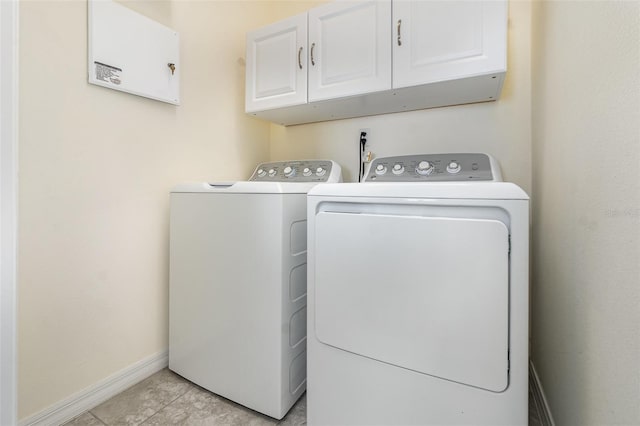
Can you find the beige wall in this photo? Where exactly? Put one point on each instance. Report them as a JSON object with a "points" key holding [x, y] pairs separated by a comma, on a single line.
{"points": [[586, 217], [500, 128], [96, 167]]}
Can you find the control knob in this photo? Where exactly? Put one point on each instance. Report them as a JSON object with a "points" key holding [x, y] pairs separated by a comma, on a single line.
{"points": [[306, 171], [381, 169], [320, 171], [272, 172], [424, 168], [398, 169], [261, 173], [289, 171], [453, 167]]}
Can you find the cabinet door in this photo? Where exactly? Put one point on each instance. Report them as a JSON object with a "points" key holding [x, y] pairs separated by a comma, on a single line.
{"points": [[447, 39], [277, 65], [349, 50]]}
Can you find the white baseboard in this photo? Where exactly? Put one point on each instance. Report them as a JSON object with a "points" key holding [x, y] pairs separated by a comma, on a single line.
{"points": [[96, 394], [539, 397]]}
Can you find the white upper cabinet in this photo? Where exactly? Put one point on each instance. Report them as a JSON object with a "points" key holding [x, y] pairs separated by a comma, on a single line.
{"points": [[349, 49], [276, 59], [352, 58], [444, 40]]}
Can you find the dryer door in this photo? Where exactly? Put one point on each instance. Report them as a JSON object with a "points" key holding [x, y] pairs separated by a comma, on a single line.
{"points": [[428, 294]]}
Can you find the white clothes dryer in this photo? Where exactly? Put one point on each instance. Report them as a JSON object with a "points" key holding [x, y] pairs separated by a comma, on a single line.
{"points": [[237, 286], [418, 296]]}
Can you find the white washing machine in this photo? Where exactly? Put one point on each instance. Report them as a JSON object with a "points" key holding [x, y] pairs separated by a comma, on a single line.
{"points": [[237, 299], [418, 296]]}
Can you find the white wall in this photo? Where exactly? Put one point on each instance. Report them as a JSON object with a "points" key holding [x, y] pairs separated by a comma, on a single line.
{"points": [[500, 128], [96, 167], [586, 217]]}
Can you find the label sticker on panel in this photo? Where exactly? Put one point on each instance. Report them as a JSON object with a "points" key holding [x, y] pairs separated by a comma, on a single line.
{"points": [[108, 73]]}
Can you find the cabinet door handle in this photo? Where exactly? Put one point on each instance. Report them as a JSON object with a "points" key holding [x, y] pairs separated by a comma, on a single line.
{"points": [[313, 45], [300, 58], [399, 37]]}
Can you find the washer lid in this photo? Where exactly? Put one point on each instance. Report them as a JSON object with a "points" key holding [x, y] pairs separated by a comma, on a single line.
{"points": [[244, 187], [280, 177], [459, 190]]}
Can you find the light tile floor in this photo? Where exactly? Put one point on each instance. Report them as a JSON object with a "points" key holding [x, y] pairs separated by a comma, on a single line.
{"points": [[167, 399]]}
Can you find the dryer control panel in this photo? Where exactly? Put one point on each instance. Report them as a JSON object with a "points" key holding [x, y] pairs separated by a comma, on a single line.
{"points": [[434, 168], [297, 171]]}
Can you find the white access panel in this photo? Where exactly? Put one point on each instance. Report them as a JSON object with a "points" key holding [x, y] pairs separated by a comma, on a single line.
{"points": [[132, 53], [349, 50], [397, 277]]}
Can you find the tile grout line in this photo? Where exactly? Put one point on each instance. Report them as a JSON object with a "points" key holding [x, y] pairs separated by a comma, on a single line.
{"points": [[189, 388], [96, 417], [149, 418]]}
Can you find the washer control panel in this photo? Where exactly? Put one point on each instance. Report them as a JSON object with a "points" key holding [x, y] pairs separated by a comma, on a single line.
{"points": [[297, 171], [433, 168]]}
